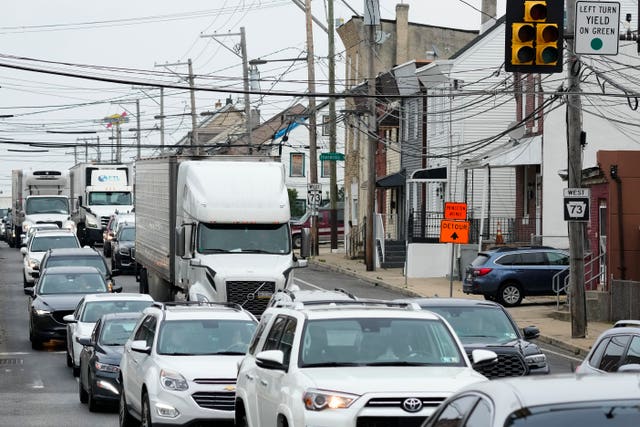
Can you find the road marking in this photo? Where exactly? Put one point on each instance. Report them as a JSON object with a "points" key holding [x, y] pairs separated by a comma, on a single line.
{"points": [[14, 353], [546, 350], [304, 282]]}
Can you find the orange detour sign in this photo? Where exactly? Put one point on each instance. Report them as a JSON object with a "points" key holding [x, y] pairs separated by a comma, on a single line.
{"points": [[455, 210], [454, 231]]}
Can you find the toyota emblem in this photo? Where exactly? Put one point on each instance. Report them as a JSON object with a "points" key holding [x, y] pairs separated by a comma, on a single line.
{"points": [[412, 404]]}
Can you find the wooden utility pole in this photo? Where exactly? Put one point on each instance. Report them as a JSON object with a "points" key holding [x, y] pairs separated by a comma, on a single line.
{"points": [[247, 99], [577, 299], [313, 155], [333, 179], [138, 135], [195, 144], [371, 21]]}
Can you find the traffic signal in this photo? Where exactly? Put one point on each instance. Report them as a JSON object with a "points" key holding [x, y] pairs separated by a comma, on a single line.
{"points": [[534, 36]]}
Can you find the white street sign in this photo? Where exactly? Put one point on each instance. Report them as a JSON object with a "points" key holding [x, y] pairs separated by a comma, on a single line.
{"points": [[597, 27], [314, 195]]}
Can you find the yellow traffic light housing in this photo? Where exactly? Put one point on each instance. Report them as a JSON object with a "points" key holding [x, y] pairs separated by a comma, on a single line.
{"points": [[534, 36]]}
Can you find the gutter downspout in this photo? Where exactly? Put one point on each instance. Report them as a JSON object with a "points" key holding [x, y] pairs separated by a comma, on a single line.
{"points": [[623, 264]]}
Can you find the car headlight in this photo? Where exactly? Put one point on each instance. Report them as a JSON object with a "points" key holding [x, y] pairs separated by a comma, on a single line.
{"points": [[33, 263], [42, 311], [105, 367], [25, 227], [173, 381], [536, 360], [318, 400], [123, 251]]}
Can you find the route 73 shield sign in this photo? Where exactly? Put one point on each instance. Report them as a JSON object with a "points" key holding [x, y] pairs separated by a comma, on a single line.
{"points": [[576, 204]]}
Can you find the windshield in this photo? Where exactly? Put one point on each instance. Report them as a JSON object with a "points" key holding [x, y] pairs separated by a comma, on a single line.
{"points": [[248, 238], [587, 414], [96, 309], [104, 198], [3, 212], [127, 234], [478, 324], [52, 205], [378, 342], [205, 336], [117, 331], [72, 283], [43, 243], [86, 261]]}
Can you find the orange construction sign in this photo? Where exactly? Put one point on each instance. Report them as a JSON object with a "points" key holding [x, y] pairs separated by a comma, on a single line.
{"points": [[454, 231], [455, 210]]}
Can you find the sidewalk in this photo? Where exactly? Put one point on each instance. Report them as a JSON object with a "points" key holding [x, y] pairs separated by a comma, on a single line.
{"points": [[534, 311]]}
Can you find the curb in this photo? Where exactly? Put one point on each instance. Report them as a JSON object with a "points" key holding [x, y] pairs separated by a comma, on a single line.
{"points": [[576, 350]]}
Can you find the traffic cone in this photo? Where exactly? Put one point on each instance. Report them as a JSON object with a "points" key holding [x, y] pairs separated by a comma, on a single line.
{"points": [[499, 239]]}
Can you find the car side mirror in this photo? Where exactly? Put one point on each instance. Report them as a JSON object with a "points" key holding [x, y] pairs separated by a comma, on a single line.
{"points": [[482, 358], [30, 291], [305, 243], [86, 341], [140, 346], [115, 272], [23, 251], [116, 289], [271, 359], [69, 318], [530, 332]]}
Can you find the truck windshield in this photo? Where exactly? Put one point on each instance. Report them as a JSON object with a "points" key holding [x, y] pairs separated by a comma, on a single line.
{"points": [[50, 205], [244, 238], [104, 198]]}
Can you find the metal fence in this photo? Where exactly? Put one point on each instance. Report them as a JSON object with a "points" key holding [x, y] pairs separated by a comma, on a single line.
{"points": [[425, 228]]}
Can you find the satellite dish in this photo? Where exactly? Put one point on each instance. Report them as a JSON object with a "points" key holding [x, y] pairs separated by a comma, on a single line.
{"points": [[516, 132]]}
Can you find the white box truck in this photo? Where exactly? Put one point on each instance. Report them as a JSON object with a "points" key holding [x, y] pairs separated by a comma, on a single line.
{"points": [[213, 228], [98, 190], [38, 197]]}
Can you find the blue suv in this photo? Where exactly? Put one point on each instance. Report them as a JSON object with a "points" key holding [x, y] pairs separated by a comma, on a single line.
{"points": [[508, 274]]}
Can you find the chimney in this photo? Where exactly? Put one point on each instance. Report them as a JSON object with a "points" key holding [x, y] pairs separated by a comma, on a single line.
{"points": [[402, 33], [488, 15], [229, 100], [218, 104]]}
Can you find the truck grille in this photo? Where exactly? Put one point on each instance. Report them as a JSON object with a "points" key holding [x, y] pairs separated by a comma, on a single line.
{"points": [[104, 220], [509, 365], [390, 421], [252, 295], [219, 400]]}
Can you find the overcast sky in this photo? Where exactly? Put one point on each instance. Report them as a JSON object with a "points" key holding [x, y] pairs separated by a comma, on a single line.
{"points": [[136, 38]]}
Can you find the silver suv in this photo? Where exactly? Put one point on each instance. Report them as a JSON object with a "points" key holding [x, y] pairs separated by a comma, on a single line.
{"points": [[350, 362], [179, 366]]}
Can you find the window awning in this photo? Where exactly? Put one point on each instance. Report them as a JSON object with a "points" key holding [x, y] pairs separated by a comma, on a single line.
{"points": [[525, 151], [391, 181]]}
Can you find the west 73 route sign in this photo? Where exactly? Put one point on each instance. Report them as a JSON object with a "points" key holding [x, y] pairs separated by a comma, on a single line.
{"points": [[576, 204]]}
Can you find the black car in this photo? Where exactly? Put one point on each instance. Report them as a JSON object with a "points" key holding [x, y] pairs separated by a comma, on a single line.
{"points": [[487, 325], [78, 256], [100, 359], [57, 294], [123, 246]]}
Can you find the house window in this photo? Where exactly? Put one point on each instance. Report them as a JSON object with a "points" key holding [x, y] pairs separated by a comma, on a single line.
{"points": [[296, 164], [325, 125], [325, 168]]}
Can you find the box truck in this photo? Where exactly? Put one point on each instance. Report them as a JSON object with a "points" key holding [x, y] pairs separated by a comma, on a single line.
{"points": [[98, 190], [38, 197], [213, 228]]}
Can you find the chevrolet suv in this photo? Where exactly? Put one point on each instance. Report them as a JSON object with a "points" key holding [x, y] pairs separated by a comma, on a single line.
{"points": [[180, 363], [350, 362], [508, 274]]}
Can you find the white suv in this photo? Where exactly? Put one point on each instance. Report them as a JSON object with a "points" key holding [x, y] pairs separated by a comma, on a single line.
{"points": [[179, 366], [346, 363]]}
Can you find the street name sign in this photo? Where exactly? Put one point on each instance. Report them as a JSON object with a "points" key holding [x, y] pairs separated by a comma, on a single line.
{"points": [[576, 204], [455, 210], [454, 231], [331, 156], [597, 27]]}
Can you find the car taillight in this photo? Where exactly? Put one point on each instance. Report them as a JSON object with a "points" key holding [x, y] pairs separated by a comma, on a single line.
{"points": [[482, 271]]}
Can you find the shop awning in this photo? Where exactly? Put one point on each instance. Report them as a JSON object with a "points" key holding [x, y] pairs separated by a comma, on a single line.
{"points": [[391, 181]]}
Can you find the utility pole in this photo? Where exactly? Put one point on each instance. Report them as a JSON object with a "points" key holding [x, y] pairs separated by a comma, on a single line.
{"points": [[577, 297], [245, 74], [162, 117], [333, 179], [313, 155], [371, 20], [138, 125]]}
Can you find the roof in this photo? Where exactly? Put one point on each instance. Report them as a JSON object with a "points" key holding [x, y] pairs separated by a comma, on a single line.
{"points": [[475, 41], [197, 310], [73, 252], [54, 232], [126, 296]]}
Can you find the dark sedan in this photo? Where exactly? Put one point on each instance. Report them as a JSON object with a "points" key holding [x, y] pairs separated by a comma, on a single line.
{"points": [[100, 359], [55, 295], [122, 257], [487, 325]]}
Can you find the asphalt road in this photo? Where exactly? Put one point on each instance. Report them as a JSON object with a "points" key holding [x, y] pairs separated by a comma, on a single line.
{"points": [[38, 389]]}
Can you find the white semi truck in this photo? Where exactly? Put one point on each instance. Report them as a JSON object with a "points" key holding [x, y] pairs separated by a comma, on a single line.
{"points": [[38, 197], [98, 190], [213, 228]]}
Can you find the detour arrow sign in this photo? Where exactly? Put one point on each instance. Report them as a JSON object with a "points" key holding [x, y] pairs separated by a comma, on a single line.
{"points": [[454, 231]]}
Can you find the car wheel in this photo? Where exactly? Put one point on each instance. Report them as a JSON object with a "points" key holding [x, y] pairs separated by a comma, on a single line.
{"points": [[82, 393], [146, 412], [125, 419], [24, 280], [144, 281], [36, 344], [91, 400], [296, 240], [510, 294], [75, 370], [69, 360]]}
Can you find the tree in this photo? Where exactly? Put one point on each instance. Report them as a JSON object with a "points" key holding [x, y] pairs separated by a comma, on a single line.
{"points": [[296, 208]]}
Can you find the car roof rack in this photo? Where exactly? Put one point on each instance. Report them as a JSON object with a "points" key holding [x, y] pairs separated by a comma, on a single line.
{"points": [[371, 303], [347, 293], [172, 304]]}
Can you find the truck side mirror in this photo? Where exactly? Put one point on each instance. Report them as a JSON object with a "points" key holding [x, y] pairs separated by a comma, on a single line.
{"points": [[79, 200], [180, 241], [305, 242], [184, 240]]}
